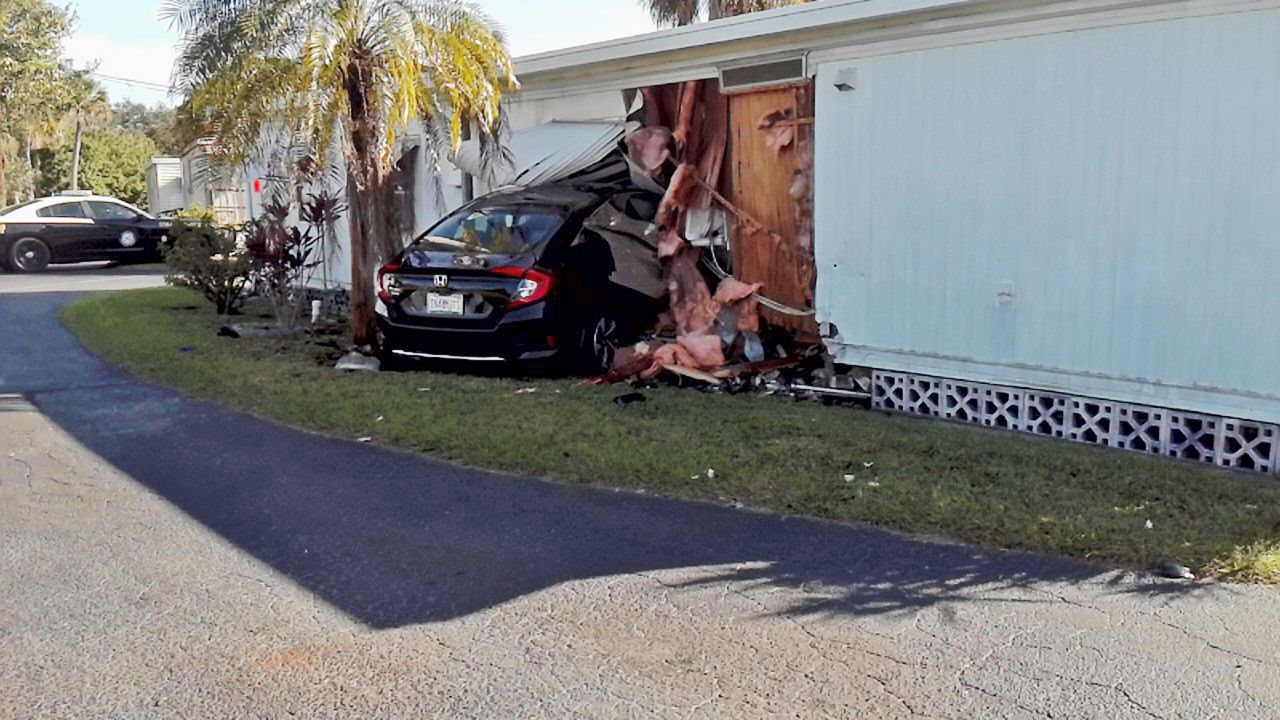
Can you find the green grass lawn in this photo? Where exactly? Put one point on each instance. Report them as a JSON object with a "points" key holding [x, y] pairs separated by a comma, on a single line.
{"points": [[986, 487]]}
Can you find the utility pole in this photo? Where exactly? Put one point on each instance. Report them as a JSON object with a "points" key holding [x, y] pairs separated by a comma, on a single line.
{"points": [[75, 151]]}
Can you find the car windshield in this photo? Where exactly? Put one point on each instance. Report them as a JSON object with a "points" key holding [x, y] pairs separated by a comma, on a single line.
{"points": [[493, 231]]}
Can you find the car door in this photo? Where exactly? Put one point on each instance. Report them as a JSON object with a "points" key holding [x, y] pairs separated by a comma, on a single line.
{"points": [[119, 233], [67, 229]]}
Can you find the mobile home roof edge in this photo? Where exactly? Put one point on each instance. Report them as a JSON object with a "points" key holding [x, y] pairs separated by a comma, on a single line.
{"points": [[752, 26]]}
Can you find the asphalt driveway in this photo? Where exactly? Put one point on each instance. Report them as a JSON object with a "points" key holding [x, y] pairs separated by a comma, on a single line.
{"points": [[167, 557], [83, 277]]}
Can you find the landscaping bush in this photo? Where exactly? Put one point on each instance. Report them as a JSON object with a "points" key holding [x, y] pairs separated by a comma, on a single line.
{"points": [[284, 257], [207, 258]]}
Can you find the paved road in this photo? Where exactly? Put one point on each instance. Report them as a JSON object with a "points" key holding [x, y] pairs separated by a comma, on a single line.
{"points": [[82, 277], [163, 557]]}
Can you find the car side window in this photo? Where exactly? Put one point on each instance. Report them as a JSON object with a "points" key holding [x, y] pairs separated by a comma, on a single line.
{"points": [[110, 211], [62, 210]]}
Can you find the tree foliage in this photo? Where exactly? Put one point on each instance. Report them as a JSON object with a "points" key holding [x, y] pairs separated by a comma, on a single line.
{"points": [[32, 83], [685, 12], [113, 162], [158, 122], [362, 69], [31, 67]]}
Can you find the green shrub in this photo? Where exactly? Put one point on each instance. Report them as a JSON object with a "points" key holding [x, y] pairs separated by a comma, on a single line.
{"points": [[206, 258], [198, 214]]}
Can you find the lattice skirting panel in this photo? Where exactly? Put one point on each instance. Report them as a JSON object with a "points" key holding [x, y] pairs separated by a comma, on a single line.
{"points": [[1227, 442], [334, 302]]}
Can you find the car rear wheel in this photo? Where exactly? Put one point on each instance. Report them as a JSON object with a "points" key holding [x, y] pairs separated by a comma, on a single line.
{"points": [[29, 255], [599, 340]]}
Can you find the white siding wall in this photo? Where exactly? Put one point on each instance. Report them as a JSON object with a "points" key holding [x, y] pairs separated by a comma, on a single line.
{"points": [[1125, 180]]}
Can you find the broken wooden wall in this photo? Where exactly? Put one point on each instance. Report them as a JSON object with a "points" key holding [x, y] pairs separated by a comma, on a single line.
{"points": [[770, 158]]}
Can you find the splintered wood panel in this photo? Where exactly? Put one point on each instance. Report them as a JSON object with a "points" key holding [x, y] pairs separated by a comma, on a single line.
{"points": [[762, 179]]}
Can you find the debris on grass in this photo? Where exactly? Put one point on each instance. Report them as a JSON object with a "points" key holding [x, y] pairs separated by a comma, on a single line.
{"points": [[693, 374], [527, 391], [356, 361], [1150, 525], [807, 374], [365, 439], [1175, 571], [629, 398], [237, 331]]}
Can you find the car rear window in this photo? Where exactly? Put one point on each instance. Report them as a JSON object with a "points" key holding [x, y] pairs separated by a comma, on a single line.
{"points": [[62, 210], [16, 207], [494, 231]]}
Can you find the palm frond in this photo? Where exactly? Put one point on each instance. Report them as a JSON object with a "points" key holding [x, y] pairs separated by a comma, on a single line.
{"points": [[673, 13]]}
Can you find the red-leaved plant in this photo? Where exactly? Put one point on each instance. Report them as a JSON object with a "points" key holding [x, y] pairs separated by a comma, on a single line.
{"points": [[285, 256]]}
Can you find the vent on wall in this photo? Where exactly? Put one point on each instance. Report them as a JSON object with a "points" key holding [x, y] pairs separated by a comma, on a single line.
{"points": [[779, 71]]}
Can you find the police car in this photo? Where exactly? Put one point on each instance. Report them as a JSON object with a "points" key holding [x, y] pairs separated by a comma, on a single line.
{"points": [[77, 227]]}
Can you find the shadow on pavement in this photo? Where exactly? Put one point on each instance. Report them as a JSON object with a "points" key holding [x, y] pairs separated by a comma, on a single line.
{"points": [[395, 539]]}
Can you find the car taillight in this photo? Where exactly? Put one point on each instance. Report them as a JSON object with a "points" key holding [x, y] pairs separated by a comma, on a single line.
{"points": [[533, 286], [388, 282]]}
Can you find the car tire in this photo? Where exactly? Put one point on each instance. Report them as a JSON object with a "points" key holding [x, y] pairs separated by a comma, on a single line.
{"points": [[388, 361], [599, 338], [391, 362], [28, 255]]}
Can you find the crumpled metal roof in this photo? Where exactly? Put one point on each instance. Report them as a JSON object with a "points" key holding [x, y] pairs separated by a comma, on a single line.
{"points": [[549, 152]]}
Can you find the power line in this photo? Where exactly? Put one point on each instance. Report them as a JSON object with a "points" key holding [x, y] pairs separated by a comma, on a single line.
{"points": [[131, 81]]}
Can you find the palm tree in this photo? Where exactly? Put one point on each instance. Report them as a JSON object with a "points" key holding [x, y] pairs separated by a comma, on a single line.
{"points": [[89, 108], [686, 12], [343, 73]]}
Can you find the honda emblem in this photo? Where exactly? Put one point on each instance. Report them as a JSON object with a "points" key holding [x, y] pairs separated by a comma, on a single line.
{"points": [[442, 281]]}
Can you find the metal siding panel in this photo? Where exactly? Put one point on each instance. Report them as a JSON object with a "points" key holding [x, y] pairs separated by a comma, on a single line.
{"points": [[1126, 179]]}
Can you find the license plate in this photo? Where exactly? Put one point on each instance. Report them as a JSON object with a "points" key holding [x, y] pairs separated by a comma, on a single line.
{"points": [[444, 304]]}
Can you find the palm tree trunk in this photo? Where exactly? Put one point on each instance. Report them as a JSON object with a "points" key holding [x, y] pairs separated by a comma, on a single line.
{"points": [[363, 324], [371, 243], [75, 155], [715, 10]]}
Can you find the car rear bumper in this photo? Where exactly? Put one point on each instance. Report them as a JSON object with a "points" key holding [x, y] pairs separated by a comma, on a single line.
{"points": [[526, 341]]}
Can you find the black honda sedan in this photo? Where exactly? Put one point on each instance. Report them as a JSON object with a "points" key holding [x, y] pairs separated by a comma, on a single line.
{"points": [[80, 227], [548, 275]]}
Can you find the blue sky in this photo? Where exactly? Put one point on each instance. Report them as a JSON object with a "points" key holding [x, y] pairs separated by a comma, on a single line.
{"points": [[130, 42]]}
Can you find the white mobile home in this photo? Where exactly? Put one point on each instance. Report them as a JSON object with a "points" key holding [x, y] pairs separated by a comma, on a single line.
{"points": [[164, 185], [1053, 216]]}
